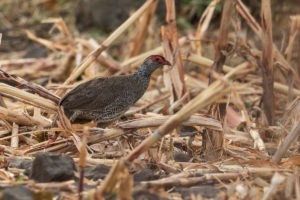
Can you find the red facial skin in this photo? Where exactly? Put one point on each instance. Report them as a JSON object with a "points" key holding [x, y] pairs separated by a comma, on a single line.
{"points": [[160, 60]]}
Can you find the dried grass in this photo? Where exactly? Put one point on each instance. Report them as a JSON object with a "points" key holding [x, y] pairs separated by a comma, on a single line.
{"points": [[154, 132]]}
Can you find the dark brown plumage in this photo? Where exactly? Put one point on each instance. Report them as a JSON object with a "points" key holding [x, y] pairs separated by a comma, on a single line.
{"points": [[104, 100]]}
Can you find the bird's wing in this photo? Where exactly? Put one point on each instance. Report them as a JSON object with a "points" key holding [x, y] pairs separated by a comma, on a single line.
{"points": [[94, 94]]}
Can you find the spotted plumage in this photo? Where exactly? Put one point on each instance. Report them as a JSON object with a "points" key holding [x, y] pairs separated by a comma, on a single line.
{"points": [[105, 99]]}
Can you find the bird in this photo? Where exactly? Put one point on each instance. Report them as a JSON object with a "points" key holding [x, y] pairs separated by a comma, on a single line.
{"points": [[105, 99]]}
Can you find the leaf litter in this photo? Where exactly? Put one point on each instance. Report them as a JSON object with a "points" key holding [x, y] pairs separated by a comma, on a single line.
{"points": [[206, 129]]}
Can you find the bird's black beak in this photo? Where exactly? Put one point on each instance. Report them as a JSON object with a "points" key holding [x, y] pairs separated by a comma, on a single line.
{"points": [[167, 63], [169, 66]]}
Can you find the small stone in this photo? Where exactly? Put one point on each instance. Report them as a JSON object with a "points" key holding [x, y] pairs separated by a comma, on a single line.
{"points": [[17, 193], [47, 167], [206, 191], [145, 194], [21, 163], [181, 157], [96, 172], [36, 51], [145, 174], [186, 131]]}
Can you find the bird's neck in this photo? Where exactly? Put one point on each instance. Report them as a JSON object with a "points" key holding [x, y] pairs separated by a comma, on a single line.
{"points": [[142, 76], [145, 71]]}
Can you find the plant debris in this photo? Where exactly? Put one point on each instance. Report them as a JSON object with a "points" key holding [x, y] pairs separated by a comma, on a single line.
{"points": [[223, 123]]}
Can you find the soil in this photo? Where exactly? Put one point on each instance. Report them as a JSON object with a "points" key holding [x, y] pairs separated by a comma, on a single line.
{"points": [[26, 175]]}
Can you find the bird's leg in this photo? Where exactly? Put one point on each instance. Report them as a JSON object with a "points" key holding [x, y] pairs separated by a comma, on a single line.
{"points": [[55, 133]]}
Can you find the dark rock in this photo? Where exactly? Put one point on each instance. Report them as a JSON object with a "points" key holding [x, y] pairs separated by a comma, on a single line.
{"points": [[21, 163], [145, 174], [48, 167], [206, 191], [36, 51], [145, 194], [181, 157], [96, 172], [17, 193], [271, 151], [185, 131]]}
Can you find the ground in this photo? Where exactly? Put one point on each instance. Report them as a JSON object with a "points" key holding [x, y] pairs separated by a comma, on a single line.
{"points": [[218, 140]]}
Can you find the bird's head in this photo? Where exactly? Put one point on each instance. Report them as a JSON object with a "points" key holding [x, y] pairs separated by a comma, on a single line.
{"points": [[158, 60], [152, 63]]}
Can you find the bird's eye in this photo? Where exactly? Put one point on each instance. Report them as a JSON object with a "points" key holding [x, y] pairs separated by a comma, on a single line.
{"points": [[157, 59]]}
